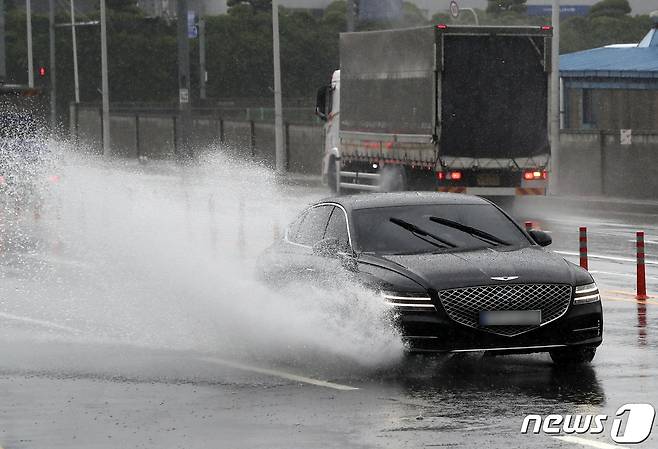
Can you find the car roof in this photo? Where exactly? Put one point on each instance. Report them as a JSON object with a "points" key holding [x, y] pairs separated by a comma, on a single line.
{"points": [[392, 199]]}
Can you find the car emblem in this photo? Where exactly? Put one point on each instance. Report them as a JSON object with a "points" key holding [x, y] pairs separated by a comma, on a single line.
{"points": [[504, 278]]}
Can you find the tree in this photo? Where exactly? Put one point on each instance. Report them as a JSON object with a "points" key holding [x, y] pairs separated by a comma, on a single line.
{"points": [[255, 5], [412, 15], [499, 6], [610, 8], [334, 15]]}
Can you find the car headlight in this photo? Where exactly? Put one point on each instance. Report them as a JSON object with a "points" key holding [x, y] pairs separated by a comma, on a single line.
{"points": [[408, 301], [586, 294]]}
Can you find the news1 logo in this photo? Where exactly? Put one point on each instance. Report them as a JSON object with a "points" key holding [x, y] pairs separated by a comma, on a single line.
{"points": [[632, 424]]}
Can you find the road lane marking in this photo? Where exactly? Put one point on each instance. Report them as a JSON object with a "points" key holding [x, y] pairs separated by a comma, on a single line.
{"points": [[604, 257], [586, 442], [633, 300], [622, 292], [277, 373], [629, 275], [651, 242], [42, 323]]}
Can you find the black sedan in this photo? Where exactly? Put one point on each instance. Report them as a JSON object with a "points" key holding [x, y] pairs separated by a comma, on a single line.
{"points": [[460, 273]]}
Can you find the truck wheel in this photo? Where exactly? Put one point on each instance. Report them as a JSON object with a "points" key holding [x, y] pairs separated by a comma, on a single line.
{"points": [[331, 175], [573, 356], [392, 179]]}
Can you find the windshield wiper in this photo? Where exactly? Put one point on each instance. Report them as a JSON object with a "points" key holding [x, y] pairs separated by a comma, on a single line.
{"points": [[421, 233], [477, 233]]}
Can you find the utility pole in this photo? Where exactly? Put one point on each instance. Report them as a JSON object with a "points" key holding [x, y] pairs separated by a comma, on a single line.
{"points": [[280, 153], [76, 82], [53, 66], [3, 54], [30, 60], [105, 85], [202, 57], [185, 113], [350, 14], [553, 181]]}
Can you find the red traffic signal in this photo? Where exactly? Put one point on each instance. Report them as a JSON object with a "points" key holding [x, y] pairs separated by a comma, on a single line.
{"points": [[42, 72]]}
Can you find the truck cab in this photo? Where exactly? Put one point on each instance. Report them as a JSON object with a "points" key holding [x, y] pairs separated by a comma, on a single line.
{"points": [[328, 109]]}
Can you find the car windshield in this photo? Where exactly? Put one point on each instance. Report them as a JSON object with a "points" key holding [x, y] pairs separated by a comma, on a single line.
{"points": [[375, 232]]}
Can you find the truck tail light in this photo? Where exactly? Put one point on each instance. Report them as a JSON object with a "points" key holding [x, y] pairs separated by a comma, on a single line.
{"points": [[534, 175], [440, 175], [454, 175]]}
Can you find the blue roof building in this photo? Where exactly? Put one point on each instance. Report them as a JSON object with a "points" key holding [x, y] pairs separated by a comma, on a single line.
{"points": [[613, 87]]}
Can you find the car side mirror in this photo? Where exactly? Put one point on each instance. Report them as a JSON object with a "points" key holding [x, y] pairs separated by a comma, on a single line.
{"points": [[540, 237], [327, 248]]}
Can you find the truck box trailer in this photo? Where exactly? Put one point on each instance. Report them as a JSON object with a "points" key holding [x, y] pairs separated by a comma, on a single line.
{"points": [[451, 108]]}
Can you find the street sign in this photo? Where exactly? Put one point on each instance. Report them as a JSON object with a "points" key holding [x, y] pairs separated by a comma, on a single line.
{"points": [[192, 29], [626, 136], [454, 9], [183, 96]]}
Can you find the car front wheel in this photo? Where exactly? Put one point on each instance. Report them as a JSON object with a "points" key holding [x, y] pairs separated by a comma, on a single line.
{"points": [[573, 356]]}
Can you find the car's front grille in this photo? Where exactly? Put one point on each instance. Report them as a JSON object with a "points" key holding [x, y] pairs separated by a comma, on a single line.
{"points": [[464, 305]]}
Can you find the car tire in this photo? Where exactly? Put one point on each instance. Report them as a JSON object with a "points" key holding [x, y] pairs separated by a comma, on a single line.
{"points": [[573, 356]]}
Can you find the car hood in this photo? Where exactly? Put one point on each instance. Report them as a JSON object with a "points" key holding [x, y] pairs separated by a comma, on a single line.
{"points": [[468, 268]]}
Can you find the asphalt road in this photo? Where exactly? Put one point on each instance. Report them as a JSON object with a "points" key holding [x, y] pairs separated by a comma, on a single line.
{"points": [[130, 317]]}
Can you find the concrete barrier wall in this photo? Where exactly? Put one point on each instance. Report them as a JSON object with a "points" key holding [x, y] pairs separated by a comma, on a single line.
{"points": [[591, 162], [305, 148], [156, 137], [89, 129], [123, 135], [596, 163], [205, 132], [265, 150]]}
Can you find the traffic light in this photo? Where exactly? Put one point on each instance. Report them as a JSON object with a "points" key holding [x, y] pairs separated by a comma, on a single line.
{"points": [[42, 72]]}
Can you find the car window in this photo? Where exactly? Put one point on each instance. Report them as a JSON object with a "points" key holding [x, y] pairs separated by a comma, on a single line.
{"points": [[311, 229], [337, 228]]}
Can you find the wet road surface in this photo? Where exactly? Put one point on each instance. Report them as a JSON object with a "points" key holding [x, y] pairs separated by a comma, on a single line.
{"points": [[101, 349]]}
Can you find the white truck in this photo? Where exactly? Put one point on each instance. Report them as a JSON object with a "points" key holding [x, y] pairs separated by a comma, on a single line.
{"points": [[448, 108]]}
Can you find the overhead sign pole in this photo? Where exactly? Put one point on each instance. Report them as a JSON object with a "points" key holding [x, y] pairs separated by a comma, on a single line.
{"points": [[281, 161], [105, 85], [3, 67], [30, 58], [74, 43], [553, 180], [53, 66], [184, 108]]}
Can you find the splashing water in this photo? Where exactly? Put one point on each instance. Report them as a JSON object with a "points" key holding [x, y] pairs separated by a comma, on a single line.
{"points": [[163, 255]]}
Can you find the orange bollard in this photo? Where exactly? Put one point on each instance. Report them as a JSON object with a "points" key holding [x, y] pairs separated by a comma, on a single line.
{"points": [[641, 276], [583, 248]]}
